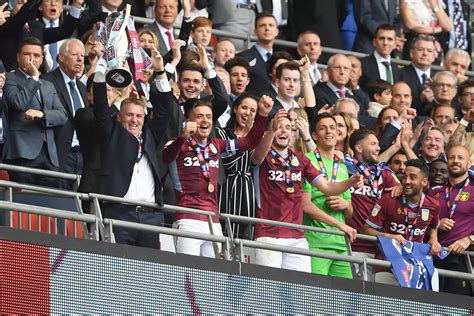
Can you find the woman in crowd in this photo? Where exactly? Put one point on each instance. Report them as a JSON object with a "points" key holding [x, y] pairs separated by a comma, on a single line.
{"points": [[344, 131], [386, 115], [237, 193], [301, 139]]}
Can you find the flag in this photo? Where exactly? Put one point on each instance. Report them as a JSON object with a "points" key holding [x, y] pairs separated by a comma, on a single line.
{"points": [[412, 265]]}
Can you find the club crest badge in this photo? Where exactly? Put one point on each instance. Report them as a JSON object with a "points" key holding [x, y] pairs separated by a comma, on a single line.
{"points": [[425, 214], [375, 210], [464, 197]]}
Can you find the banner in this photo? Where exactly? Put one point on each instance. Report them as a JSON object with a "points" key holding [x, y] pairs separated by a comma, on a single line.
{"points": [[412, 265]]}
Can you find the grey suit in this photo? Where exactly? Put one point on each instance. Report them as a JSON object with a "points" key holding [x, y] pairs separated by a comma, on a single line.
{"points": [[27, 137], [161, 41]]}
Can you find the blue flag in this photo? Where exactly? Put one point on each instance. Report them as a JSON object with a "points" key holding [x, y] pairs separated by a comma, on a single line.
{"points": [[412, 265]]}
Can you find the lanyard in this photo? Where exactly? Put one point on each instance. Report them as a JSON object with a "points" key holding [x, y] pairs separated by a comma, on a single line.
{"points": [[453, 205], [410, 228], [202, 156], [286, 163], [335, 165], [372, 177]]}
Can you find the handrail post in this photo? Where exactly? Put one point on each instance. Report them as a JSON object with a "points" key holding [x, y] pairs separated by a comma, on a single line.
{"points": [[230, 236], [215, 246], [365, 275], [95, 208]]}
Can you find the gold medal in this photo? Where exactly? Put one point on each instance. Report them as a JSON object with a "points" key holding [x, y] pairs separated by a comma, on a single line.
{"points": [[213, 148], [210, 188], [290, 189]]}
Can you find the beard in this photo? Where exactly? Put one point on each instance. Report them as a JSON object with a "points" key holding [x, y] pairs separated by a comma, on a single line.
{"points": [[456, 174], [369, 159]]}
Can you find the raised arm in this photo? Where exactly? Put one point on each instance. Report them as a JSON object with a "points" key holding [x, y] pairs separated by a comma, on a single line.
{"points": [[266, 142], [252, 139], [336, 188]]}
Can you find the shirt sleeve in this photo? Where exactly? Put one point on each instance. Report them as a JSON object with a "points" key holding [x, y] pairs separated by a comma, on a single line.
{"points": [[310, 172]]}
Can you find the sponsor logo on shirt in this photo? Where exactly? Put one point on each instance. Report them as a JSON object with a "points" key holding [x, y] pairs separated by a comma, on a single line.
{"points": [[279, 175], [364, 190], [194, 162]]}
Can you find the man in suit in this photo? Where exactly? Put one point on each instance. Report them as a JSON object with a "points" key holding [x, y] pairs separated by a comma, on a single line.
{"points": [[378, 64], [339, 71], [369, 15], [460, 35], [444, 89], [3, 119], [73, 96], [235, 16], [266, 30], [309, 44], [129, 160], [34, 110], [457, 61], [166, 12], [418, 74], [276, 60], [50, 30]]}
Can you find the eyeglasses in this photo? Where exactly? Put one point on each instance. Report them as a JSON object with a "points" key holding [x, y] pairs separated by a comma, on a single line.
{"points": [[468, 94], [444, 85]]}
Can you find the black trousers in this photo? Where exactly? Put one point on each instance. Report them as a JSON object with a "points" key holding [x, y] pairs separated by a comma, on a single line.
{"points": [[450, 285], [42, 161], [137, 215]]}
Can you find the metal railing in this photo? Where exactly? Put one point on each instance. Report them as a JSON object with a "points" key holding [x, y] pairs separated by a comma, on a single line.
{"points": [[232, 249]]}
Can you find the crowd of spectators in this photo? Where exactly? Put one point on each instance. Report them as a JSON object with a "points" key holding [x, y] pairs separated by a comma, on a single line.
{"points": [[334, 141]]}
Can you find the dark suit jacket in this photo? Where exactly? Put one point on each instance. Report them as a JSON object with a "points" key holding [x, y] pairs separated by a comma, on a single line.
{"points": [[443, 37], [324, 95], [27, 136], [119, 148], [369, 14], [259, 79], [63, 134], [184, 33], [52, 34], [87, 131], [90, 16], [12, 31], [411, 78], [370, 71]]}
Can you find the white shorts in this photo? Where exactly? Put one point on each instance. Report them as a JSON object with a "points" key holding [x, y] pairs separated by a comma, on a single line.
{"points": [[283, 260], [358, 270], [196, 247]]}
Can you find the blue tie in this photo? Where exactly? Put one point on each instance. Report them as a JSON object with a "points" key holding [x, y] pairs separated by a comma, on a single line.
{"points": [[76, 102], [53, 50], [424, 77]]}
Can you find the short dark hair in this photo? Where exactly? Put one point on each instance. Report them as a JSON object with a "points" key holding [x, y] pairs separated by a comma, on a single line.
{"points": [[237, 61], [464, 85], [400, 152], [377, 86], [420, 164], [290, 65], [192, 67], [275, 57], [319, 118], [384, 27], [30, 41], [442, 105], [191, 104], [358, 136], [263, 14]]}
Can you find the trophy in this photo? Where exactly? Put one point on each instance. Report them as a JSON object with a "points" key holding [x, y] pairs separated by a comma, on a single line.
{"points": [[123, 54]]}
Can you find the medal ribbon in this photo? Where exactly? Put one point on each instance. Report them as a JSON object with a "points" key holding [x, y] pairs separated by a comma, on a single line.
{"points": [[452, 205], [372, 176], [202, 156], [335, 165], [286, 163], [410, 228]]}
